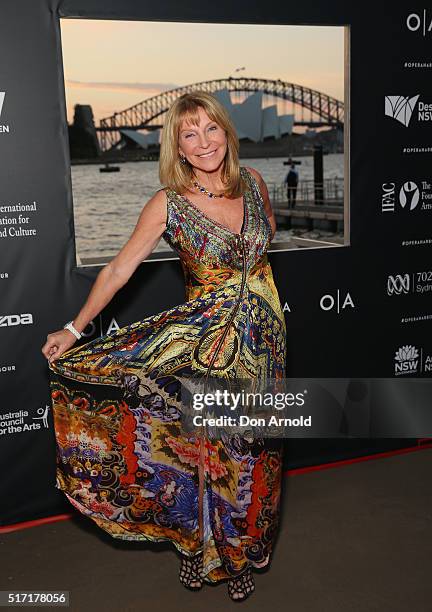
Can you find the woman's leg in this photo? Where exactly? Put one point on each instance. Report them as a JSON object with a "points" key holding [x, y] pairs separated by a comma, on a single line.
{"points": [[242, 586], [190, 573]]}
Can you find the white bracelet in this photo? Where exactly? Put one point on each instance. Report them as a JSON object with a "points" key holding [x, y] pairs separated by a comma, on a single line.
{"points": [[72, 329]]}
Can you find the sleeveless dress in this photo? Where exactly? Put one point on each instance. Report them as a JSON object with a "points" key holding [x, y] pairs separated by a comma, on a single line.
{"points": [[123, 458]]}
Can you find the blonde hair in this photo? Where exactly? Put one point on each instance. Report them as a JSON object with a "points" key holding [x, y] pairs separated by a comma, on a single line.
{"points": [[178, 176]]}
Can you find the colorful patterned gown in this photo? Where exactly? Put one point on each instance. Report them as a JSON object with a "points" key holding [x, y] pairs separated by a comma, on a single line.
{"points": [[123, 457]]}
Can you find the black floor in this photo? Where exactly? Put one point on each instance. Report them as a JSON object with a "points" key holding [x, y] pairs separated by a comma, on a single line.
{"points": [[355, 538]]}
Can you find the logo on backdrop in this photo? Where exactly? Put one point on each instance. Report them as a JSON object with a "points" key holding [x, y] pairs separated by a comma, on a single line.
{"points": [[91, 329], [409, 196], [336, 302], [418, 282], [406, 360], [22, 421], [400, 108], [410, 360], [398, 284], [4, 128], [16, 319], [419, 22]]}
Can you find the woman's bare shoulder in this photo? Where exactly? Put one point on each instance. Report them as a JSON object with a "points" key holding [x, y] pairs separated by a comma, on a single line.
{"points": [[255, 174], [157, 204], [159, 196]]}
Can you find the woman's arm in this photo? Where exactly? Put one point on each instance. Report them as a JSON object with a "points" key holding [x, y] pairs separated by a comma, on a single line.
{"points": [[266, 198], [144, 238]]}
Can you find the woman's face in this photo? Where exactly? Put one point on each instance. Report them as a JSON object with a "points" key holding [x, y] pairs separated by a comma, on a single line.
{"points": [[205, 145]]}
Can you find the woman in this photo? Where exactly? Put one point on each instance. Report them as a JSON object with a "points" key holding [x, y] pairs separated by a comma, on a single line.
{"points": [[123, 458]]}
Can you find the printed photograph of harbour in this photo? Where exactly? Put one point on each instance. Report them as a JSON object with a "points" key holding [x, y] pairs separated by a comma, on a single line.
{"points": [[283, 86]]}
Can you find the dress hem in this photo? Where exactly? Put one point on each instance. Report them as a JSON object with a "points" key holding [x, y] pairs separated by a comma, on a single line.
{"points": [[156, 539]]}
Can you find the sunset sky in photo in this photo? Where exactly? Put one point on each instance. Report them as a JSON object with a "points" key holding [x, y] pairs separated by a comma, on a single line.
{"points": [[113, 65]]}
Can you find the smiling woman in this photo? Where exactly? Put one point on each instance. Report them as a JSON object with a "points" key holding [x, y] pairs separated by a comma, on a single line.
{"points": [[207, 142], [124, 457]]}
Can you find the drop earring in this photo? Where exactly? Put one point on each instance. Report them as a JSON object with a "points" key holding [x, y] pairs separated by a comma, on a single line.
{"points": [[182, 159]]}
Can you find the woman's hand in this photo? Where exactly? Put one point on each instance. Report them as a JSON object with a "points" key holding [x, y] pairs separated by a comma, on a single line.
{"points": [[57, 343], [143, 240]]}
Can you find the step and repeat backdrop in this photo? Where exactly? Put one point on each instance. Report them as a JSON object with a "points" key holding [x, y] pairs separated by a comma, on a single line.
{"points": [[358, 310]]}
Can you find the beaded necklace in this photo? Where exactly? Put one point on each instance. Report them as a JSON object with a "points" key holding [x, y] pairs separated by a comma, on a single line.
{"points": [[206, 191]]}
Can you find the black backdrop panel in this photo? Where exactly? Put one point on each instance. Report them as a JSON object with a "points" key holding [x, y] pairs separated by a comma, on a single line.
{"points": [[41, 288]]}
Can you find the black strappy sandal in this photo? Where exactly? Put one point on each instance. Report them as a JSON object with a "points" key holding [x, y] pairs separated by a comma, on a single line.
{"points": [[190, 573], [240, 587]]}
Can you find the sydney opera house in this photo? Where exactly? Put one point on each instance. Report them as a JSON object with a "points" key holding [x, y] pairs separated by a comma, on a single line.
{"points": [[134, 134], [252, 121]]}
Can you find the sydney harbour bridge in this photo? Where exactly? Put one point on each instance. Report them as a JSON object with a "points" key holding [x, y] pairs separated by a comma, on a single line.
{"points": [[323, 110]]}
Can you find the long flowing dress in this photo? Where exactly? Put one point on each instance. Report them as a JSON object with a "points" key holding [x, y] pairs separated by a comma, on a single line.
{"points": [[123, 458]]}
